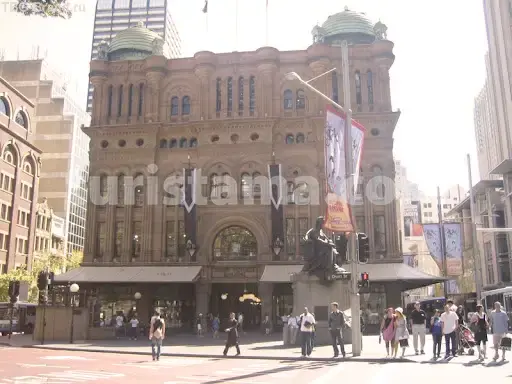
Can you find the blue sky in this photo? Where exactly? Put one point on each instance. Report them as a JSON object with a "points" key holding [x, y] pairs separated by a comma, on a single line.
{"points": [[439, 66]]}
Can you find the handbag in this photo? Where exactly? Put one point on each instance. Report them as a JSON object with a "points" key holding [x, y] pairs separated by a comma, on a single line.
{"points": [[506, 343]]}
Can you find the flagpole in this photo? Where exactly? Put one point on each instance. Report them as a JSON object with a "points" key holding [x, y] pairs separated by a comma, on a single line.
{"points": [[443, 241], [476, 245], [266, 23]]}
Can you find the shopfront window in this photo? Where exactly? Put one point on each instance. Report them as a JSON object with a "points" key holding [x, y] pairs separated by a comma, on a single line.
{"points": [[235, 243], [111, 302], [373, 305]]}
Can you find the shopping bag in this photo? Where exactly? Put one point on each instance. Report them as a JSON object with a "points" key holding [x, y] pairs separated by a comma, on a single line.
{"points": [[506, 343]]}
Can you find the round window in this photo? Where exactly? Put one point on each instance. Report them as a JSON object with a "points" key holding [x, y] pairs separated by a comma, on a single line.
{"points": [[104, 144], [122, 143], [139, 142]]}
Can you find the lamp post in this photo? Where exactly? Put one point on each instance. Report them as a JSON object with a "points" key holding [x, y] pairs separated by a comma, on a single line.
{"points": [[191, 248], [355, 302], [73, 289], [137, 297], [277, 246]]}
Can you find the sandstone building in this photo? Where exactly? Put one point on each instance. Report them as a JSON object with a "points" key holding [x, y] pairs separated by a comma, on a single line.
{"points": [[20, 167], [230, 114]]}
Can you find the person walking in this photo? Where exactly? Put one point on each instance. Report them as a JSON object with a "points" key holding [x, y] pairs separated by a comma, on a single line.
{"points": [[134, 326], [216, 326], [156, 335], [418, 326], [232, 331], [336, 324], [436, 329], [401, 333], [481, 325], [499, 326], [449, 324], [307, 321], [387, 328]]}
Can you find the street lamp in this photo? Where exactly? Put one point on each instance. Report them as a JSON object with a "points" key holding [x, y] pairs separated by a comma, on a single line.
{"points": [[137, 297], [278, 246], [191, 248], [355, 304], [73, 289]]}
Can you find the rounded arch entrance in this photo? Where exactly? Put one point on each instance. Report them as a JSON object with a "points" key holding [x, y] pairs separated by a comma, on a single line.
{"points": [[235, 243]]}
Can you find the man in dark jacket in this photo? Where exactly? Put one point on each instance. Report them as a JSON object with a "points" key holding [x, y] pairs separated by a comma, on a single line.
{"points": [[336, 323]]}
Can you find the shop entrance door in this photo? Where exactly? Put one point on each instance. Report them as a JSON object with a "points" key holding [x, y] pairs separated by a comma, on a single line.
{"points": [[237, 298]]}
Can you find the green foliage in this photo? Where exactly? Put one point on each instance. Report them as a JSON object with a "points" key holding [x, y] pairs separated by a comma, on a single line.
{"points": [[44, 8], [49, 262]]}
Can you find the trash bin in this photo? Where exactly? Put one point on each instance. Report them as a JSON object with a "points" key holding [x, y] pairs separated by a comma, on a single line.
{"points": [[286, 334]]}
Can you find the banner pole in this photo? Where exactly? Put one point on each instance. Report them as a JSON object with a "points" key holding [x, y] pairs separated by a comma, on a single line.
{"points": [[476, 250], [443, 241]]}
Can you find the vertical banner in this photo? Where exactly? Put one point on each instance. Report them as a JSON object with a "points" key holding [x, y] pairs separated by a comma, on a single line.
{"points": [[189, 207], [276, 208], [338, 217], [453, 287], [433, 239], [453, 241], [412, 216]]}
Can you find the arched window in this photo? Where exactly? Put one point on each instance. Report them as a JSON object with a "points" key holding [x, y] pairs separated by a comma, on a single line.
{"points": [[175, 106], [290, 192], [290, 139], [218, 93], [240, 95], [335, 87], [28, 166], [110, 100], [252, 95], [21, 119], [300, 103], [163, 143], [359, 97], [193, 143], [185, 105], [235, 243], [215, 189], [183, 143], [10, 155], [360, 184], [369, 79], [301, 193], [120, 189], [120, 102], [4, 107], [378, 182], [288, 99], [256, 187], [300, 138], [141, 98], [130, 99], [138, 182], [245, 186], [230, 94], [103, 185], [173, 143]]}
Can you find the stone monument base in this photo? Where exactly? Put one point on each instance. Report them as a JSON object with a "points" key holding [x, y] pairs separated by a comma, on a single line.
{"points": [[317, 295]]}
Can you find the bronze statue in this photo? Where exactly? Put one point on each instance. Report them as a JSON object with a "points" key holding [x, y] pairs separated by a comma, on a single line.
{"points": [[320, 254]]}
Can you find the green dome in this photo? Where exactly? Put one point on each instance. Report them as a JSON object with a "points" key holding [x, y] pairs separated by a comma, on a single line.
{"points": [[348, 25], [135, 43]]}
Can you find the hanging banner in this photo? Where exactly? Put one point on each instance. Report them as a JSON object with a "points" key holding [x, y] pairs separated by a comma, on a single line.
{"points": [[453, 241], [453, 287], [412, 215], [338, 217], [433, 239]]}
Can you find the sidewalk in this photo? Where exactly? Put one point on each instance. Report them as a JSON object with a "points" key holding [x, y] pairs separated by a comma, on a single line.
{"points": [[252, 346]]}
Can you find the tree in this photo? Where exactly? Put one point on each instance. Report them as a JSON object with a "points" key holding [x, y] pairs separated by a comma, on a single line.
{"points": [[20, 274], [44, 8]]}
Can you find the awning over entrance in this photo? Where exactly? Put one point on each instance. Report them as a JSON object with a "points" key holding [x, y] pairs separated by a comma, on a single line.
{"points": [[110, 274], [279, 273], [409, 277]]}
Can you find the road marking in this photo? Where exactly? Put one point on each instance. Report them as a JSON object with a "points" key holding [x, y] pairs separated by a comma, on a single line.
{"points": [[64, 358], [75, 376], [24, 365]]}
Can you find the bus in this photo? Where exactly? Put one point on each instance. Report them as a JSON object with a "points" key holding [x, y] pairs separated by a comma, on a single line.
{"points": [[504, 296], [23, 317]]}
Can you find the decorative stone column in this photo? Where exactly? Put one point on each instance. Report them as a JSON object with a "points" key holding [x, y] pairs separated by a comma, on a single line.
{"points": [[90, 239], [110, 235], [264, 88], [128, 224], [204, 73], [323, 84], [98, 83], [152, 95], [203, 292], [384, 88], [147, 232]]}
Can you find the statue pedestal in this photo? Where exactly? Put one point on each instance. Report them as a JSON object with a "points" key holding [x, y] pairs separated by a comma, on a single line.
{"points": [[317, 296]]}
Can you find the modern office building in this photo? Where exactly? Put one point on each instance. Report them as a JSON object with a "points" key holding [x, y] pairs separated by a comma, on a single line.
{"points": [[57, 131], [233, 116], [113, 16]]}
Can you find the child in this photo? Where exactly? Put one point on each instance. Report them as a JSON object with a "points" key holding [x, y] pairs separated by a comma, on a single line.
{"points": [[437, 332]]}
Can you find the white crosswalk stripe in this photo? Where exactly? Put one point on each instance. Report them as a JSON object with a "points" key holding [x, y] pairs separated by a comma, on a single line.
{"points": [[73, 376]]}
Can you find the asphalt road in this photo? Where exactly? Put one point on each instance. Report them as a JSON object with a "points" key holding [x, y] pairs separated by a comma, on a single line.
{"points": [[34, 366]]}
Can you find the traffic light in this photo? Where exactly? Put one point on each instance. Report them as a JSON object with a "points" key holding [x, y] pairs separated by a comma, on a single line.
{"points": [[42, 281], [14, 291], [365, 279], [341, 243], [363, 246]]}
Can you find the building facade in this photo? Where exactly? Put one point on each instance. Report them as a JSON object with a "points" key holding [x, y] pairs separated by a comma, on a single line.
{"points": [[449, 199], [20, 168], [57, 132], [113, 16], [234, 117], [49, 234]]}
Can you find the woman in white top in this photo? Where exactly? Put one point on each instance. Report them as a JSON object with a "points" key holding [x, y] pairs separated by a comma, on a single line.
{"points": [[134, 324]]}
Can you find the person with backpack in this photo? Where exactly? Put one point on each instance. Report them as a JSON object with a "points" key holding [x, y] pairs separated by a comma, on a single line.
{"points": [[156, 335], [436, 330]]}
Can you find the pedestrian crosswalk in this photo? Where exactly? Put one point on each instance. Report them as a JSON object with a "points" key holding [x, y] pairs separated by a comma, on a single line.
{"points": [[164, 363], [63, 377]]}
